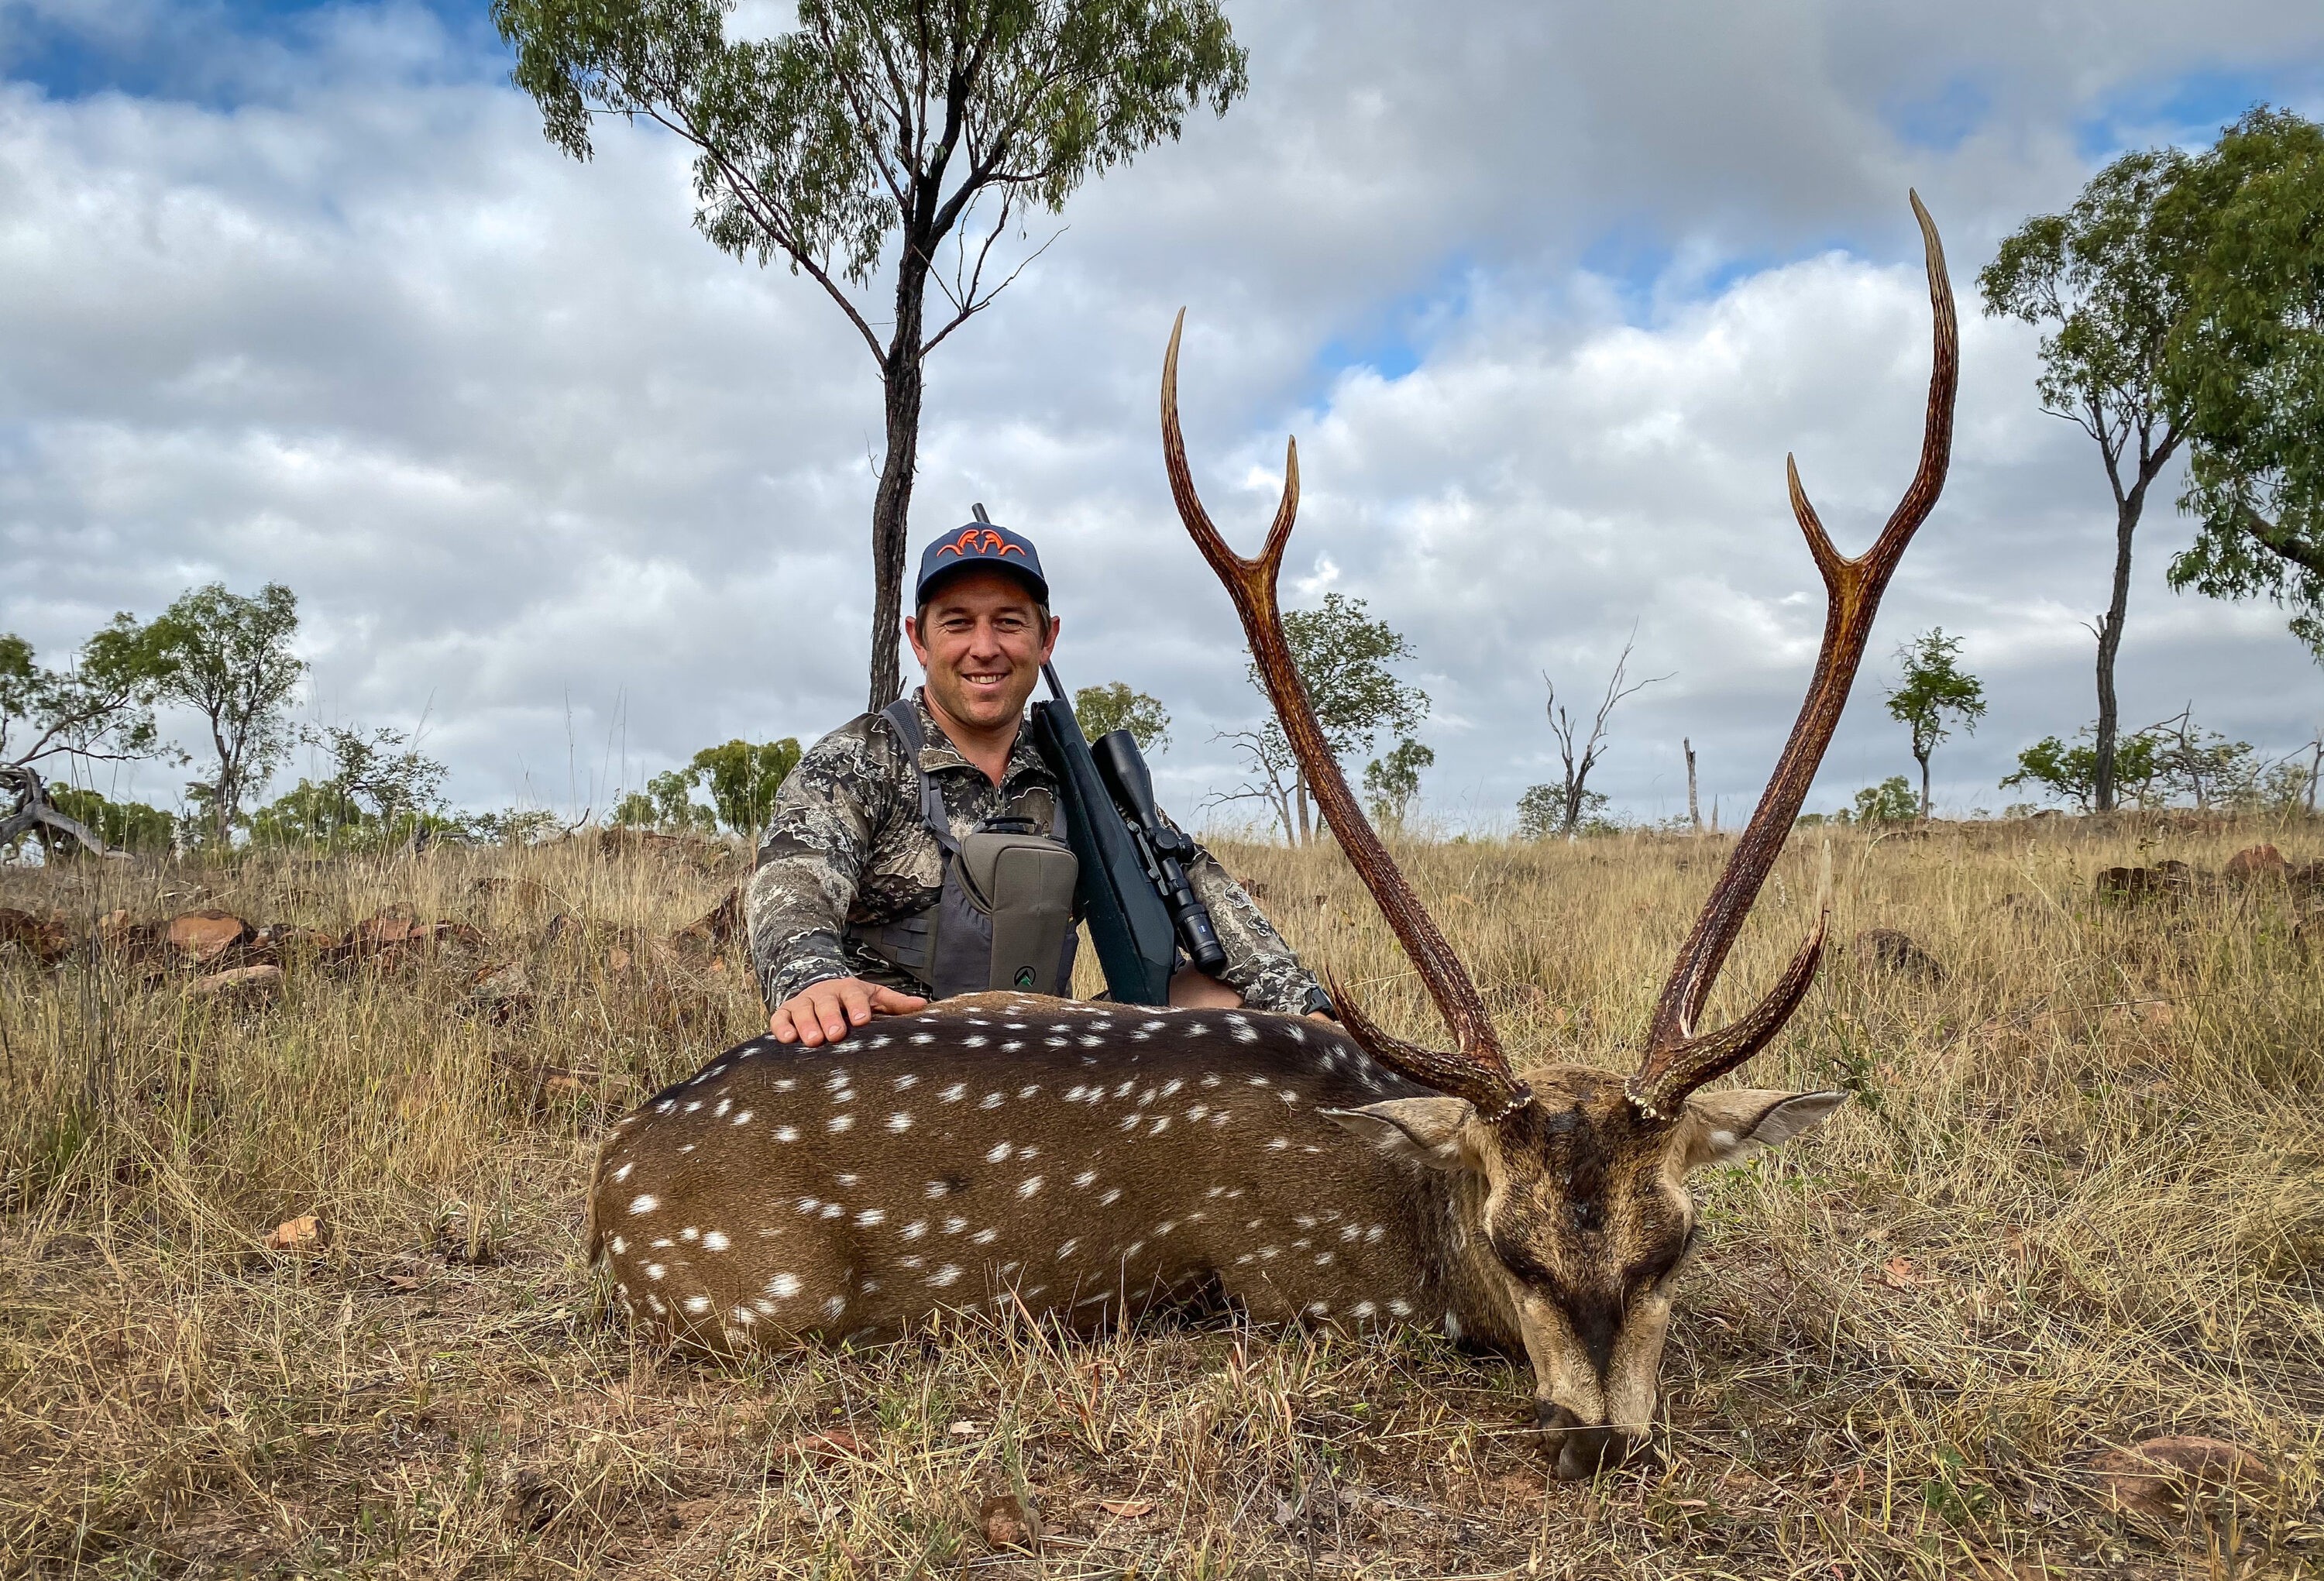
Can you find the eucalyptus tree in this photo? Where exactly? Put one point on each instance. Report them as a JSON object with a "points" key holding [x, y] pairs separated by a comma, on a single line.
{"points": [[1933, 695], [2249, 366], [2106, 281], [871, 137]]}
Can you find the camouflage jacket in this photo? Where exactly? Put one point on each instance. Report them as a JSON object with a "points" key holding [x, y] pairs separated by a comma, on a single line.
{"points": [[847, 845]]}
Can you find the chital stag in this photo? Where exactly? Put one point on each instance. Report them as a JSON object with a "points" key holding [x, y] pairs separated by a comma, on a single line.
{"points": [[1086, 1161]]}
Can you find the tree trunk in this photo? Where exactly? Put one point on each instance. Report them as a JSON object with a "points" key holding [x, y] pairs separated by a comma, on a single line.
{"points": [[1307, 825], [892, 507], [1923, 758], [1694, 807], [2111, 644]]}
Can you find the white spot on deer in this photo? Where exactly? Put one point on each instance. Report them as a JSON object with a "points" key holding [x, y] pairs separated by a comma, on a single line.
{"points": [[1258, 1081], [656, 1270], [666, 1105], [1028, 1092], [1165, 1226], [694, 1105], [1351, 1232], [1074, 1093], [1108, 1198], [1067, 1249], [1322, 1258], [644, 1202], [984, 1237], [618, 1245], [1146, 1098], [810, 1204], [869, 1285], [1303, 1221], [1311, 1149], [742, 1315], [938, 1189], [785, 1083], [654, 1301], [1268, 1254], [663, 1243], [1026, 1153], [723, 1105], [953, 1226], [1055, 1043], [1130, 1122], [955, 1093], [1278, 1145], [846, 1178], [1372, 1233], [906, 1082], [783, 1286], [974, 1040], [835, 1306], [944, 1276], [689, 1234], [1210, 1077], [1400, 1307], [869, 1217], [1198, 1111], [786, 1133], [715, 1241], [911, 1262], [1123, 1091], [1083, 1179], [991, 1100], [1451, 1326], [743, 1118], [1220, 1117], [1088, 1041], [687, 1148], [1028, 1185], [1244, 1031], [1013, 1025], [914, 1230], [1299, 1034], [1132, 1250], [1102, 1023], [1319, 1310], [1364, 1309], [839, 1122], [835, 1081], [1011, 1046], [1094, 1301], [998, 1151], [899, 1121], [1161, 1124], [623, 1173], [697, 1304], [832, 1210], [1196, 1030]]}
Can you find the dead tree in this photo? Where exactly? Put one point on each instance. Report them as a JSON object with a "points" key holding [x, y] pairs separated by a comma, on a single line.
{"points": [[1566, 726]]}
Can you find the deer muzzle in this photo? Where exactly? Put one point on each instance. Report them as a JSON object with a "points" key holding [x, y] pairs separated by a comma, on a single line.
{"points": [[1579, 1449]]}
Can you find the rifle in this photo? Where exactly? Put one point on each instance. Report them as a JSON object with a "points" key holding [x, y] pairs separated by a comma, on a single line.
{"points": [[1163, 850], [1127, 921]]}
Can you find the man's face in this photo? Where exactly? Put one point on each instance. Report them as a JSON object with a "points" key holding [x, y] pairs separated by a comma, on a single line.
{"points": [[982, 643]]}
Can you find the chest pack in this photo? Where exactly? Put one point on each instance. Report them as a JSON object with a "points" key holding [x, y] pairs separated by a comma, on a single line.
{"points": [[1005, 919]]}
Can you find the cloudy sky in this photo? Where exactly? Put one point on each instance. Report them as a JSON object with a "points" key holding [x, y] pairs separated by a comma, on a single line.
{"points": [[300, 293]]}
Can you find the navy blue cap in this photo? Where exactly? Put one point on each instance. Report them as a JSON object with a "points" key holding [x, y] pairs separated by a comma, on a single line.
{"points": [[981, 543]]}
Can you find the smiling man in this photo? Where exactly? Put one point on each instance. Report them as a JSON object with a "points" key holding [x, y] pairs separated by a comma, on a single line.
{"points": [[862, 897]]}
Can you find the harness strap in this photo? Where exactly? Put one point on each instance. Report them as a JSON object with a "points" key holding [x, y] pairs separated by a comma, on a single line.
{"points": [[905, 715]]}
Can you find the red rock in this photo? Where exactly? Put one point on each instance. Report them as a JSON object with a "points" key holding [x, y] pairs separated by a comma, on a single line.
{"points": [[2155, 1478], [207, 934], [241, 982], [2258, 861]]}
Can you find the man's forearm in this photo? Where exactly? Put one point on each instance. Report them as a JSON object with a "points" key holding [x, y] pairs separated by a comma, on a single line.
{"points": [[1260, 965]]}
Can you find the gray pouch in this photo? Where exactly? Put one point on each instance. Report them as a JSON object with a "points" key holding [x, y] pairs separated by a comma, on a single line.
{"points": [[1025, 883]]}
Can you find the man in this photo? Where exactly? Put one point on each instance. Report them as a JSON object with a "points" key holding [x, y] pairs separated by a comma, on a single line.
{"points": [[862, 860]]}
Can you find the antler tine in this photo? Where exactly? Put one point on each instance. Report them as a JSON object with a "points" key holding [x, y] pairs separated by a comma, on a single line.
{"points": [[1479, 1071], [1676, 1060]]}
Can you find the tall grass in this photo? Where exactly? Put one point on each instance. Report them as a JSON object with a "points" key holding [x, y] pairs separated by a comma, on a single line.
{"points": [[2079, 1202]]}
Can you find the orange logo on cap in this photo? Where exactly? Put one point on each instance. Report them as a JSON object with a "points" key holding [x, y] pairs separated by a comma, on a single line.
{"points": [[979, 540]]}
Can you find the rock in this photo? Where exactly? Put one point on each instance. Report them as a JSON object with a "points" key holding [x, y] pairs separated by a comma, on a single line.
{"points": [[306, 1233], [2170, 878], [1008, 1523], [1897, 954], [44, 939], [206, 935], [1127, 1509], [831, 1443], [2258, 863], [2158, 1477], [244, 984]]}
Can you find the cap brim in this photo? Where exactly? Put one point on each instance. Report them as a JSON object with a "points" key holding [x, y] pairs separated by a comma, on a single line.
{"points": [[934, 580]]}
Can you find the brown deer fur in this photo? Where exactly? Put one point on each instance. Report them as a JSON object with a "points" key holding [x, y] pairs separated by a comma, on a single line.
{"points": [[1091, 1161]]}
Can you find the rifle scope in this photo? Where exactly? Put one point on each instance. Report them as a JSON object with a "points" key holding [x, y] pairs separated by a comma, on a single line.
{"points": [[1162, 849]]}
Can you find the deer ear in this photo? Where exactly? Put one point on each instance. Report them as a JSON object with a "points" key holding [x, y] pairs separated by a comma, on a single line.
{"points": [[1430, 1131], [1720, 1127]]}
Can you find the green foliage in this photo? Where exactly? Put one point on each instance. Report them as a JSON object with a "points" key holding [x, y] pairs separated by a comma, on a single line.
{"points": [[511, 827], [130, 826], [380, 792], [743, 779], [2069, 773], [228, 657], [2249, 367], [1541, 813], [1934, 686], [667, 803], [1343, 656], [1891, 801], [2107, 282], [1391, 782], [809, 140], [99, 708], [1114, 706]]}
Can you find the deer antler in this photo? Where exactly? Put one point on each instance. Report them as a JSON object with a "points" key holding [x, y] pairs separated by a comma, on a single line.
{"points": [[1477, 1071], [1677, 1061]]}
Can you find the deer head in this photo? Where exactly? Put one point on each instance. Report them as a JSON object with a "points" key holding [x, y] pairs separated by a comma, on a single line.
{"points": [[1581, 1173]]}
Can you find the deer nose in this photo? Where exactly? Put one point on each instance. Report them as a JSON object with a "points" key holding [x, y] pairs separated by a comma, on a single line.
{"points": [[1579, 1449]]}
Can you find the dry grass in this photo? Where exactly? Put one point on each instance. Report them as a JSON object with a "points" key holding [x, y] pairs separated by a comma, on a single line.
{"points": [[2080, 1201]]}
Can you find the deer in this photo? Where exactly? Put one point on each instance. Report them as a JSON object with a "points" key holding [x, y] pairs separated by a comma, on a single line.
{"points": [[1084, 1163]]}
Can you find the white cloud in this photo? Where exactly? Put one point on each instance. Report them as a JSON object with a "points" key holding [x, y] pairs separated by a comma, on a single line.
{"points": [[325, 308]]}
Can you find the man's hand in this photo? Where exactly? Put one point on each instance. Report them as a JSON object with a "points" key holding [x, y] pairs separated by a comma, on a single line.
{"points": [[821, 1013]]}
